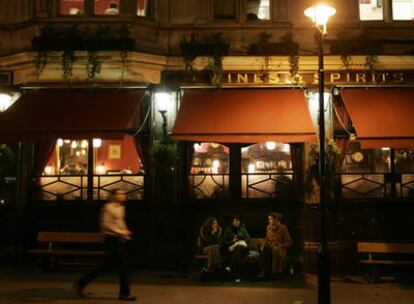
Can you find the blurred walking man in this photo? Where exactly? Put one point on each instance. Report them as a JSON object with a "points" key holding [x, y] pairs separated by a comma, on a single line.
{"points": [[116, 233]]}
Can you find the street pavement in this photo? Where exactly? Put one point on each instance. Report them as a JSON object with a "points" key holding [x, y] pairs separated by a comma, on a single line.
{"points": [[19, 286]]}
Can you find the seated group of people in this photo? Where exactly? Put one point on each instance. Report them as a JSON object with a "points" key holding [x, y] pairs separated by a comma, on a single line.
{"points": [[234, 243]]}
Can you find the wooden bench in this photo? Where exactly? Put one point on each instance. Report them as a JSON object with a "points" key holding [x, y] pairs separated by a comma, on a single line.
{"points": [[376, 254], [254, 244], [58, 244]]}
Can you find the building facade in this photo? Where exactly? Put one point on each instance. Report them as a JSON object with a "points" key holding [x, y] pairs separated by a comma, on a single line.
{"points": [[200, 108]]}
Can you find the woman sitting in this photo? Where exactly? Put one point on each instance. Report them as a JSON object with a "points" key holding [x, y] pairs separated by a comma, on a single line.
{"points": [[209, 243], [235, 244], [273, 256]]}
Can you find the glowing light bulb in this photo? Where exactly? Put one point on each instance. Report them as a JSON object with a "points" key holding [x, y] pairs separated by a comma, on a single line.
{"points": [[59, 142], [84, 144], [97, 142], [100, 169], [270, 145], [197, 147], [74, 144], [48, 170]]}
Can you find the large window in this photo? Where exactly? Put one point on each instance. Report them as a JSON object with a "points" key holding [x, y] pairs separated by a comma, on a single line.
{"points": [[257, 9], [225, 9], [371, 10], [72, 7], [377, 173], [267, 171], [403, 9], [209, 170], [107, 7], [116, 164]]}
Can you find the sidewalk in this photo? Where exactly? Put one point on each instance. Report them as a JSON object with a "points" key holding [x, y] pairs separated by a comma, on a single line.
{"points": [[173, 288]]}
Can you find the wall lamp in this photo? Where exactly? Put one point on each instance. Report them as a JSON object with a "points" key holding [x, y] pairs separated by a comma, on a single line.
{"points": [[162, 100]]}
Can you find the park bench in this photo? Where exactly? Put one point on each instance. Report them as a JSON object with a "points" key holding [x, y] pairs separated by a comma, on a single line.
{"points": [[54, 245], [376, 255]]}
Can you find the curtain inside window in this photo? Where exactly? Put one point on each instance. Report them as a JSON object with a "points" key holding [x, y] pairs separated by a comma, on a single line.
{"points": [[297, 165], [43, 152]]}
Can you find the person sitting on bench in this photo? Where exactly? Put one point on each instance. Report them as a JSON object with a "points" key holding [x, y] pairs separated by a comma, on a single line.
{"points": [[235, 243], [210, 240], [273, 255]]}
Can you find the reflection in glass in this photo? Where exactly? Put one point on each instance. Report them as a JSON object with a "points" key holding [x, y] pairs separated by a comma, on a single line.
{"points": [[72, 7], [258, 9], [371, 10], [366, 160], [107, 7]]}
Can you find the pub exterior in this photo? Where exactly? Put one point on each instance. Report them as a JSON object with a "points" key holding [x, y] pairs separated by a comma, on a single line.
{"points": [[187, 139]]}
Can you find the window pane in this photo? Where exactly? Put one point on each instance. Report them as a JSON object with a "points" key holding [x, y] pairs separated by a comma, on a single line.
{"points": [[366, 160], [72, 7], [371, 10], [267, 171], [107, 7], [144, 8], [258, 9], [403, 9], [210, 158], [404, 160], [117, 157], [209, 171], [72, 157], [225, 9]]}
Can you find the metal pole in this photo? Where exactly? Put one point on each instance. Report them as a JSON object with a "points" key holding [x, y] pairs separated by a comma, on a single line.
{"points": [[324, 290]]}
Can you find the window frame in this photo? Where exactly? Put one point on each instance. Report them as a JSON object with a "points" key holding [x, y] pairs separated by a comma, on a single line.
{"points": [[388, 16]]}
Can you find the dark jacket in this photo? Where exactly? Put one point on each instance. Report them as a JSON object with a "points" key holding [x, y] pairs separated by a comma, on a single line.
{"points": [[208, 239], [241, 233]]}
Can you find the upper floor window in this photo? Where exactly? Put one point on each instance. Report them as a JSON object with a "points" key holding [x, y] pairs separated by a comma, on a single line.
{"points": [[225, 9], [144, 8], [258, 9], [107, 7], [371, 10], [403, 9], [374, 9], [72, 7]]}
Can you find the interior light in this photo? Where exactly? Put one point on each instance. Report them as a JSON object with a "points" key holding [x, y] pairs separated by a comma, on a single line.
{"points": [[59, 142], [100, 169], [385, 148], [74, 144], [67, 141], [84, 144], [162, 99], [48, 170], [77, 153], [97, 142], [197, 147], [270, 145], [216, 163], [286, 148], [251, 168]]}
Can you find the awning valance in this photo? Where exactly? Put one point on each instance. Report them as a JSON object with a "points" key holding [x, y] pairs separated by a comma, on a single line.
{"points": [[56, 113], [382, 117], [244, 116]]}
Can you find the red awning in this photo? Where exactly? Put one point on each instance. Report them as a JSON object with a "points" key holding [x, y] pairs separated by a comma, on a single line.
{"points": [[382, 117], [244, 116], [57, 113]]}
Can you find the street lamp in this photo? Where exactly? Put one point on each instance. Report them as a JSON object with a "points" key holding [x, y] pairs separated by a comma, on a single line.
{"points": [[320, 13], [162, 100]]}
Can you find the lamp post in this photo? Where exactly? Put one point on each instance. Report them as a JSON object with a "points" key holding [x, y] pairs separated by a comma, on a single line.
{"points": [[320, 13], [162, 100]]}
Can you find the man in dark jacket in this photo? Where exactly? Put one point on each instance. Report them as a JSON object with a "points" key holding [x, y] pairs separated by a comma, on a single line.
{"points": [[235, 243]]}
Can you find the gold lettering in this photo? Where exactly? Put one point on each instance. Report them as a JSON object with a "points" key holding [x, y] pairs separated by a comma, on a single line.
{"points": [[373, 77], [335, 77], [348, 77], [273, 78], [398, 77], [384, 77], [242, 78], [258, 79], [361, 77], [228, 77]]}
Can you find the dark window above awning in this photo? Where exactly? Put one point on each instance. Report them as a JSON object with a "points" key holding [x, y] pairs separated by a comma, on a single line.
{"points": [[244, 116], [382, 117], [57, 113]]}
